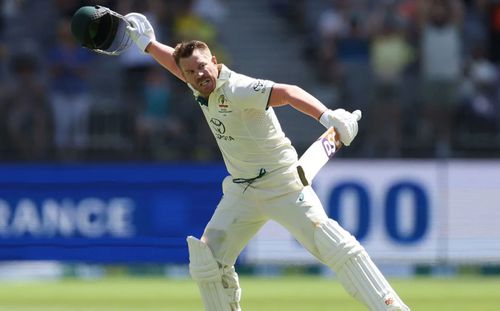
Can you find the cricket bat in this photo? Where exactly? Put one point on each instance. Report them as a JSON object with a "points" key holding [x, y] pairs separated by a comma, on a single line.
{"points": [[318, 154]]}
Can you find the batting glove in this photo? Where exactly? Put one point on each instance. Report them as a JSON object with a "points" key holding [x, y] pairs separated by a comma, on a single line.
{"points": [[344, 122], [140, 30]]}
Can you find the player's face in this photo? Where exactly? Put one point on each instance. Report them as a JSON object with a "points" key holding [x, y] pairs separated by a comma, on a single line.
{"points": [[200, 71]]}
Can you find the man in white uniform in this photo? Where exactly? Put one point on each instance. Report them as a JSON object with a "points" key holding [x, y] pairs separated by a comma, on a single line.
{"points": [[263, 183]]}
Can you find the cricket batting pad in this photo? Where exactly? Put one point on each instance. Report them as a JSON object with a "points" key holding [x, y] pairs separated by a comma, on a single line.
{"points": [[354, 268], [210, 278]]}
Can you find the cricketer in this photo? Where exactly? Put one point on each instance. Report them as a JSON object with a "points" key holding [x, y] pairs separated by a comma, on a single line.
{"points": [[263, 182]]}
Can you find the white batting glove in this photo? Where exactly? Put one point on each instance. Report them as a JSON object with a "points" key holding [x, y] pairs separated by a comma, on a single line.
{"points": [[344, 122], [140, 30]]}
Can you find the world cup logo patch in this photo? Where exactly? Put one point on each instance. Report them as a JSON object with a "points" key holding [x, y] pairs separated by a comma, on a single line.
{"points": [[223, 104]]}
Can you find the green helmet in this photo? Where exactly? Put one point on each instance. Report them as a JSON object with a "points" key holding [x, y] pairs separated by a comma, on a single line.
{"points": [[100, 29]]}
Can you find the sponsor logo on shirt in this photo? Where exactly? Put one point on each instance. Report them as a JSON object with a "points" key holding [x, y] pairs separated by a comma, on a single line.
{"points": [[219, 130], [258, 86]]}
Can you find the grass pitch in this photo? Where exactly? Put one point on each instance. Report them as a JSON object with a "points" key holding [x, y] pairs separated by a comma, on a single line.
{"points": [[288, 294]]}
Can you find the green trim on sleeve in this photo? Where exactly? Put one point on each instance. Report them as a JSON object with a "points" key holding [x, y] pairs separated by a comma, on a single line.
{"points": [[269, 97]]}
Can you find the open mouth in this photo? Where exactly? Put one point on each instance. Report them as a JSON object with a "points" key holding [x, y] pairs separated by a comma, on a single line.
{"points": [[204, 82]]}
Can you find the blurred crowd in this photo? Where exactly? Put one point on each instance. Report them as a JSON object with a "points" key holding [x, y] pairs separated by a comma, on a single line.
{"points": [[61, 102], [425, 73]]}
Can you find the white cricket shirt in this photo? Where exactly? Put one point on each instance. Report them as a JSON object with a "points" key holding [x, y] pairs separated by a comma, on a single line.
{"points": [[246, 129]]}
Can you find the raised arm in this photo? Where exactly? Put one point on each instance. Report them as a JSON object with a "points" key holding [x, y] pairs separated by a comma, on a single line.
{"points": [[143, 35], [163, 55]]}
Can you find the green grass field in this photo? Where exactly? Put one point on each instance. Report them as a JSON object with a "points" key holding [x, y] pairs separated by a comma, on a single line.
{"points": [[275, 294]]}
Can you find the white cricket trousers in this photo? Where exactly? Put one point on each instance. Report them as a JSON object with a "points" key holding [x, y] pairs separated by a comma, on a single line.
{"points": [[281, 197], [278, 196]]}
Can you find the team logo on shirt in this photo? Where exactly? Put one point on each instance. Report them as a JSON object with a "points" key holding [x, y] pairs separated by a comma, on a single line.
{"points": [[223, 104], [219, 130]]}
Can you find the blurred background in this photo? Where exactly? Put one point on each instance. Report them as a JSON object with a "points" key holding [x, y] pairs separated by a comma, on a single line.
{"points": [[107, 164]]}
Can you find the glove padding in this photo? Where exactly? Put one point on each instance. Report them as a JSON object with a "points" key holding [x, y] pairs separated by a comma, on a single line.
{"points": [[140, 30], [344, 122]]}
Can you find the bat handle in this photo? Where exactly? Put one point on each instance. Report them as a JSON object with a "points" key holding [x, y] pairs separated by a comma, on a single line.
{"points": [[357, 113]]}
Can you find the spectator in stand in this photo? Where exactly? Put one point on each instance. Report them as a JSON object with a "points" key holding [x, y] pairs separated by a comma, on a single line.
{"points": [[346, 36], [70, 99], [135, 64], [390, 56], [475, 24], [213, 11], [478, 116], [332, 24], [441, 69], [158, 131], [25, 113], [189, 25]]}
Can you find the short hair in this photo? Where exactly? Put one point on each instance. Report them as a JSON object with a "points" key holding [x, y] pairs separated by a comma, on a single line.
{"points": [[186, 49]]}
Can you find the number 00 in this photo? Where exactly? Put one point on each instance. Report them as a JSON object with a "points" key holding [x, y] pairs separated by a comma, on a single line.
{"points": [[391, 209]]}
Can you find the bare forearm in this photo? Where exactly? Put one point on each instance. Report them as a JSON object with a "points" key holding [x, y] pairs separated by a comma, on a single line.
{"points": [[163, 54], [298, 98]]}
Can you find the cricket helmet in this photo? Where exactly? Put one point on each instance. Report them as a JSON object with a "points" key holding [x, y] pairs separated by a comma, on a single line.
{"points": [[100, 29]]}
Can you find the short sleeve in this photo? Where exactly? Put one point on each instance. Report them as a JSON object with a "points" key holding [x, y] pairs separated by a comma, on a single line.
{"points": [[252, 93]]}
